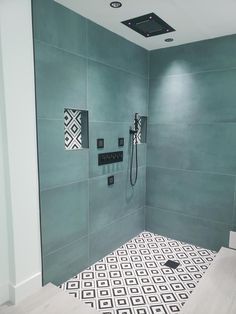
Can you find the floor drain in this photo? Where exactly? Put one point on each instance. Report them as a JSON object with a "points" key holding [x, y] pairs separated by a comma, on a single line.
{"points": [[171, 264]]}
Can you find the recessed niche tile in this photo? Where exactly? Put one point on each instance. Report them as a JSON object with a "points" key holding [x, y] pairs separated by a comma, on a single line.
{"points": [[75, 129], [141, 135]]}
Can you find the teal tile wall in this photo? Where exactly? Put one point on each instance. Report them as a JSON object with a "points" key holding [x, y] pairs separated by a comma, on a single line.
{"points": [[190, 229], [188, 93], [114, 95], [79, 64], [56, 69], [118, 53], [191, 142], [116, 234]]}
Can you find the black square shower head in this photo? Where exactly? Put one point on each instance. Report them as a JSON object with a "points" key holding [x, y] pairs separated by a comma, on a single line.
{"points": [[149, 25]]}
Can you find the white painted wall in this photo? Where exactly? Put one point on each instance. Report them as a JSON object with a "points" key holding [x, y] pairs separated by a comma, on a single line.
{"points": [[4, 267], [21, 179]]}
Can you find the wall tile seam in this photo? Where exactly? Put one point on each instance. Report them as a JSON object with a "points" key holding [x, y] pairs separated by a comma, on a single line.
{"points": [[89, 143], [223, 69], [184, 123], [234, 207], [90, 121], [194, 171], [97, 177], [132, 212], [66, 245], [110, 122], [191, 216], [53, 119], [177, 236], [118, 68], [129, 123], [87, 179], [84, 180], [92, 59], [148, 139]]}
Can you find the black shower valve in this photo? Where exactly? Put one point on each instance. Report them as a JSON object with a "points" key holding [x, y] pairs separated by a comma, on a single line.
{"points": [[110, 158], [121, 141], [110, 180]]}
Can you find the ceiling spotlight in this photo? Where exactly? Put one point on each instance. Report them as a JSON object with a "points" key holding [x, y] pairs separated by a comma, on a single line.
{"points": [[116, 4], [169, 40]]}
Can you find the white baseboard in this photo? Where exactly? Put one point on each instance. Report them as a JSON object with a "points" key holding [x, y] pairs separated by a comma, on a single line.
{"points": [[232, 240], [25, 288], [4, 293]]}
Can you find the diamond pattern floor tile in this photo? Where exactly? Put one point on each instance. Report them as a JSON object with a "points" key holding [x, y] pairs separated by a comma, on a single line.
{"points": [[134, 280]]}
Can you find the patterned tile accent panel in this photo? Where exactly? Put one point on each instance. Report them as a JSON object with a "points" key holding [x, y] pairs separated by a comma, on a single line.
{"points": [[73, 127], [140, 137], [134, 280], [139, 133]]}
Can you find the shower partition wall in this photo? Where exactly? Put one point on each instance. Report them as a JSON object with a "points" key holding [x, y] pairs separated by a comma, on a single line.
{"points": [[191, 164], [80, 65]]}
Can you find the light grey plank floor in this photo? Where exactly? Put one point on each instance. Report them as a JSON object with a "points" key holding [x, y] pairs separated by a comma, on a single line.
{"points": [[216, 292], [49, 300]]}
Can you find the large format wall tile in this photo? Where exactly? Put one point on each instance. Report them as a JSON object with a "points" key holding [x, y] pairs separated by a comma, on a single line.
{"points": [[111, 49], [106, 203], [57, 165], [59, 27], [115, 234], [61, 81], [64, 215], [135, 197], [204, 147], [208, 196], [195, 57], [194, 98], [70, 52], [114, 95], [192, 127], [201, 232], [65, 263]]}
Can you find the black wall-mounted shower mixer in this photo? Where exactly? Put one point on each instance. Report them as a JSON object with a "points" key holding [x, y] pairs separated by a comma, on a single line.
{"points": [[134, 146]]}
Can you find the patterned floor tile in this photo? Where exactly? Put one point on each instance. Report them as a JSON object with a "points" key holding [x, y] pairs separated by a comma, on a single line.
{"points": [[135, 280]]}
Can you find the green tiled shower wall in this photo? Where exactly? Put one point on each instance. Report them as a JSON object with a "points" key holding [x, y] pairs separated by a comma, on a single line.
{"points": [[79, 64], [191, 158], [186, 185]]}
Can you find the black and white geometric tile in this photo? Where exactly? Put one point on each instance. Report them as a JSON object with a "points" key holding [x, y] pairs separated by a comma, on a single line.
{"points": [[138, 136], [134, 279], [139, 133], [72, 129]]}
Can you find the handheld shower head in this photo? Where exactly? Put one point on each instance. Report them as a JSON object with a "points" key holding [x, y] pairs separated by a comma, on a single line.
{"points": [[134, 146]]}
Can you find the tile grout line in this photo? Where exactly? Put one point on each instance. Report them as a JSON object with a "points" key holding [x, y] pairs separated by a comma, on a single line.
{"points": [[194, 171], [91, 59], [66, 245], [223, 69], [85, 180], [182, 123], [132, 212], [186, 215], [89, 180], [234, 208]]}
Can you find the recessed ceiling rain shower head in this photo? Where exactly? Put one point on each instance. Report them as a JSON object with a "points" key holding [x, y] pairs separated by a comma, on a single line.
{"points": [[149, 25]]}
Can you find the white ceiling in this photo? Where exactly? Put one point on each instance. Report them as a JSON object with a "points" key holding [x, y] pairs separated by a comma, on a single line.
{"points": [[193, 20]]}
